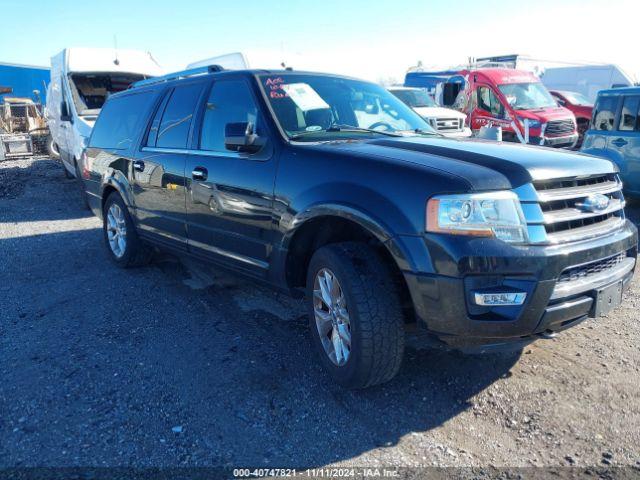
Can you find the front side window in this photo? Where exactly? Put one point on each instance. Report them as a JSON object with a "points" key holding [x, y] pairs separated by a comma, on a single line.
{"points": [[604, 113], [489, 101], [230, 101], [629, 114], [527, 96], [173, 131], [117, 124], [312, 107]]}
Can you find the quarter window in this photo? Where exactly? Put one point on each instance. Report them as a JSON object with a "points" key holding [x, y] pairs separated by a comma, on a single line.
{"points": [[230, 101], [604, 113], [173, 131], [629, 114]]}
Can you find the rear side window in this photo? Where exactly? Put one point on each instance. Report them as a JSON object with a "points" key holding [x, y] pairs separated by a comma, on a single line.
{"points": [[118, 122], [604, 113], [173, 131], [629, 114]]}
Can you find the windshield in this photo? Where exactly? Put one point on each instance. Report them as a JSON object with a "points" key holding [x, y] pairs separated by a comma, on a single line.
{"points": [[527, 96], [322, 107], [576, 98], [415, 98], [91, 90]]}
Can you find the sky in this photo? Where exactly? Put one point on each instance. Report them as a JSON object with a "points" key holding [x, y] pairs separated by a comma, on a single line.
{"points": [[372, 39]]}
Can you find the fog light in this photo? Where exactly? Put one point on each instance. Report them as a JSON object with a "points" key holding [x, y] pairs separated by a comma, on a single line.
{"points": [[499, 299]]}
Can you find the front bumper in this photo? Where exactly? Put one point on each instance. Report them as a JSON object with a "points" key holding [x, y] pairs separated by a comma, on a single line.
{"points": [[566, 141], [464, 133], [442, 285]]}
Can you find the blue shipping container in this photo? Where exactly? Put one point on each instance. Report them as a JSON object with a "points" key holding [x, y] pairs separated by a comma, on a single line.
{"points": [[23, 80]]}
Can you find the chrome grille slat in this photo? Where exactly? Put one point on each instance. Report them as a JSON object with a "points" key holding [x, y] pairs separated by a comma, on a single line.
{"points": [[578, 192], [584, 233]]}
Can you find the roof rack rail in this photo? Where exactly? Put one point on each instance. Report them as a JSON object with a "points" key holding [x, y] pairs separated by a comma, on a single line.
{"points": [[177, 75]]}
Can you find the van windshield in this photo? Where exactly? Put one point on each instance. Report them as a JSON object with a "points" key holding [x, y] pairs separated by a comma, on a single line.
{"points": [[527, 96], [414, 98], [313, 107], [91, 90], [576, 98]]}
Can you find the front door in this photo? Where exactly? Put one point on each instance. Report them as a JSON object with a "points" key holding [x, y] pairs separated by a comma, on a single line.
{"points": [[159, 168], [230, 194]]}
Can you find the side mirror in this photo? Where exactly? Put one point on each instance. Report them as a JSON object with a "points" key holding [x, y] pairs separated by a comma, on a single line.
{"points": [[239, 137], [64, 112]]}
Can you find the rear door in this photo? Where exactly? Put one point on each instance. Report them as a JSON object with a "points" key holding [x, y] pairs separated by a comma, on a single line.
{"points": [[625, 141], [230, 194], [159, 167]]}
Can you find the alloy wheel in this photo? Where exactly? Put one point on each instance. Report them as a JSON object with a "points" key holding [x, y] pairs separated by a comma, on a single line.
{"points": [[332, 317], [116, 230]]}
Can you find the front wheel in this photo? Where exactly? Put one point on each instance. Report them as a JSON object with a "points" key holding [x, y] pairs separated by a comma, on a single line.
{"points": [[124, 247], [355, 314]]}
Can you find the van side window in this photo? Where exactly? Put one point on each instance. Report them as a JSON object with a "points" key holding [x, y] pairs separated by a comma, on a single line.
{"points": [[173, 131], [488, 101], [629, 114], [230, 101], [604, 113], [117, 124]]}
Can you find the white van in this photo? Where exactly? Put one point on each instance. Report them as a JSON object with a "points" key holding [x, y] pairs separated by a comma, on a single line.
{"points": [[586, 79], [446, 121], [81, 81]]}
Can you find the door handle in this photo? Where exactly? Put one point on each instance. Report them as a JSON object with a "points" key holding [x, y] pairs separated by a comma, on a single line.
{"points": [[138, 165], [199, 173], [619, 142]]}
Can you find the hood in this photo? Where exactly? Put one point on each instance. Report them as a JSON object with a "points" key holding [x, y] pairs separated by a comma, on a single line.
{"points": [[483, 164], [438, 112], [545, 114]]}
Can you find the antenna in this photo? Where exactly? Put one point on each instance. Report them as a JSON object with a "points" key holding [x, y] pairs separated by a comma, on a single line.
{"points": [[115, 47]]}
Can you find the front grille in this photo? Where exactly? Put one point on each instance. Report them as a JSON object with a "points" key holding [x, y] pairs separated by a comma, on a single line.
{"points": [[565, 209], [584, 271], [448, 124], [560, 127]]}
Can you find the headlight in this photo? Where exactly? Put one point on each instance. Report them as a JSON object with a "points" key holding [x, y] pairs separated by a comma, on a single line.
{"points": [[532, 123], [491, 214]]}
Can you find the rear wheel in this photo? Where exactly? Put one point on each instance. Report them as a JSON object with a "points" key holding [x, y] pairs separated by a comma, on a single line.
{"points": [[355, 315], [124, 247]]}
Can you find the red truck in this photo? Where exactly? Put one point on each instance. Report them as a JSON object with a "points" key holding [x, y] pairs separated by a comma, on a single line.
{"points": [[581, 107], [515, 100]]}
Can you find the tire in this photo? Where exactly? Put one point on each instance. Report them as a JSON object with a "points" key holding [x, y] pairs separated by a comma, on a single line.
{"points": [[134, 253], [374, 311]]}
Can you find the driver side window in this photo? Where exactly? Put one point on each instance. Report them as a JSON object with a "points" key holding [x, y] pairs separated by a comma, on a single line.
{"points": [[488, 101]]}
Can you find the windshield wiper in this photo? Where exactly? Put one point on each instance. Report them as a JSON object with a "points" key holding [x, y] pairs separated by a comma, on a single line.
{"points": [[345, 128]]}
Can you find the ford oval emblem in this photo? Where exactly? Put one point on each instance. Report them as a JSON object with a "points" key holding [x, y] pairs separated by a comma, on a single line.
{"points": [[595, 203]]}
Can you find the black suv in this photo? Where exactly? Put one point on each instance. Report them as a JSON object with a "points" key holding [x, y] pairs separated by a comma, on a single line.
{"points": [[331, 187]]}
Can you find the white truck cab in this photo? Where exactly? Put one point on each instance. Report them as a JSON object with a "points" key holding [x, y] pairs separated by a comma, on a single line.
{"points": [[448, 122], [81, 81]]}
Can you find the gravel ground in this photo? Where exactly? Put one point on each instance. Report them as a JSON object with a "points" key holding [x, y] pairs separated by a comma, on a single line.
{"points": [[169, 365]]}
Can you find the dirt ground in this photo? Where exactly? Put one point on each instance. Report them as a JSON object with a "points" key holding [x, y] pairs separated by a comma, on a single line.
{"points": [[171, 365]]}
